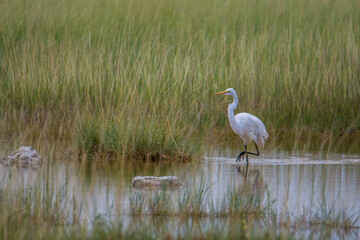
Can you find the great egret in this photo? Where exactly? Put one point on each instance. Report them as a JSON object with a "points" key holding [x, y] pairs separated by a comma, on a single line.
{"points": [[246, 125]]}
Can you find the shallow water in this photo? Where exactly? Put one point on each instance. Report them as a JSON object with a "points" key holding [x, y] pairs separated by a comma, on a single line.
{"points": [[298, 183]]}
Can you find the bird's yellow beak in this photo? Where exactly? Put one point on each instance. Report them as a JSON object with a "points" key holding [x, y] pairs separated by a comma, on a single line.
{"points": [[221, 93]]}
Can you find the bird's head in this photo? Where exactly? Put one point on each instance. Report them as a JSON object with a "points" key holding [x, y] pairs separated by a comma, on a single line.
{"points": [[229, 91]]}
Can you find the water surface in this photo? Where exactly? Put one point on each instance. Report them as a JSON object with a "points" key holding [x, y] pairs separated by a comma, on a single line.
{"points": [[297, 181]]}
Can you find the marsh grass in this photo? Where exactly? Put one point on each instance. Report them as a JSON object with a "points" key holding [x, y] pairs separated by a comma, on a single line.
{"points": [[247, 207], [333, 219], [326, 215], [240, 204], [132, 139], [138, 78], [44, 209], [194, 203], [146, 229], [161, 202], [32, 212]]}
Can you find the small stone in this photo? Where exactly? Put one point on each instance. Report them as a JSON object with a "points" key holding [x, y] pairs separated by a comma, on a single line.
{"points": [[24, 156], [151, 181]]}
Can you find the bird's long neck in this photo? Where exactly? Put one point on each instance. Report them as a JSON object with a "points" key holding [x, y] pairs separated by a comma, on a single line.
{"points": [[231, 109]]}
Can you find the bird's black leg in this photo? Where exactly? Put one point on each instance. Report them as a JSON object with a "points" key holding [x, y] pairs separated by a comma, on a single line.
{"points": [[247, 157], [257, 150], [242, 154], [255, 154]]}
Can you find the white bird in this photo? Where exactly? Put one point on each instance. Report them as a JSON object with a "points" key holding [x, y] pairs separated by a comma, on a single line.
{"points": [[246, 125]]}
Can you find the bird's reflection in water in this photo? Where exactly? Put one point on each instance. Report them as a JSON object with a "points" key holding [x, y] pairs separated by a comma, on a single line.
{"points": [[253, 181]]}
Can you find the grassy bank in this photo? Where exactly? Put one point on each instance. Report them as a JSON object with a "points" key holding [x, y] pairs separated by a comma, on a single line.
{"points": [[137, 78]]}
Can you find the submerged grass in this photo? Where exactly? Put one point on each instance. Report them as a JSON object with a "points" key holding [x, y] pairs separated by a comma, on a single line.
{"points": [[249, 210], [43, 209], [238, 204], [31, 213], [326, 215], [137, 78], [193, 203]]}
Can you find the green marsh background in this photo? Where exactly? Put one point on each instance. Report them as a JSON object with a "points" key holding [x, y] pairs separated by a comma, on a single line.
{"points": [[138, 78]]}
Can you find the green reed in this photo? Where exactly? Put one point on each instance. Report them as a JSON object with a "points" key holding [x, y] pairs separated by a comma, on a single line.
{"points": [[137, 78]]}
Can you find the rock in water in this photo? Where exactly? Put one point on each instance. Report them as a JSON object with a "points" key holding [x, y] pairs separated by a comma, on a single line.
{"points": [[24, 156], [150, 181]]}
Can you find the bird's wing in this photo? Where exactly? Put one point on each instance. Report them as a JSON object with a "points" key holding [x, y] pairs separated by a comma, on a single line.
{"points": [[253, 126]]}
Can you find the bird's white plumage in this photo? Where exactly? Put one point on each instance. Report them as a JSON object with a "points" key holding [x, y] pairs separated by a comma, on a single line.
{"points": [[250, 128], [247, 126]]}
